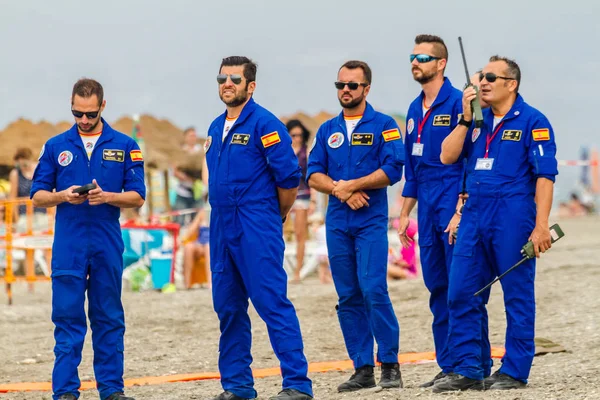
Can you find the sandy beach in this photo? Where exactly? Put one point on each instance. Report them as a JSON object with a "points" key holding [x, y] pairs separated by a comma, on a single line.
{"points": [[178, 333]]}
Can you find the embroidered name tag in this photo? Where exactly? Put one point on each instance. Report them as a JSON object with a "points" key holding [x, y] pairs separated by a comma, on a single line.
{"points": [[362, 139], [515, 136], [113, 155], [441, 120], [240, 138]]}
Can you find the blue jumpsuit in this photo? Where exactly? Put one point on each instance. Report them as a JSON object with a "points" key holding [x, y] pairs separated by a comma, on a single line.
{"points": [[357, 241], [497, 220], [436, 187], [246, 245], [87, 254]]}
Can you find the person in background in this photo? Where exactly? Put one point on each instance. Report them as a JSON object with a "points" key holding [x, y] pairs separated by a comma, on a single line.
{"points": [[20, 180], [304, 204], [190, 142], [196, 249], [404, 265]]}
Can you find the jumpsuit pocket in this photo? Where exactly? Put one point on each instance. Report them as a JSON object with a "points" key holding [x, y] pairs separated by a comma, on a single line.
{"points": [[372, 259], [112, 176]]}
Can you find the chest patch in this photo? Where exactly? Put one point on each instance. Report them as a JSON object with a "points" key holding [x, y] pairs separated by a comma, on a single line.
{"points": [[65, 158], [335, 140], [441, 120], [513, 135], [362, 139], [113, 155], [240, 138]]}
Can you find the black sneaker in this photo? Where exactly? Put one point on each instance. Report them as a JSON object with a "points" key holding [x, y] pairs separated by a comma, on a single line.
{"points": [[363, 378], [227, 395], [390, 376], [291, 394], [68, 396], [490, 380], [457, 382], [505, 382], [440, 375], [119, 396]]}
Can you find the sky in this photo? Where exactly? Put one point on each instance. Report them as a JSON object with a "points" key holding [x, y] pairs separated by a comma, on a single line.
{"points": [[162, 57]]}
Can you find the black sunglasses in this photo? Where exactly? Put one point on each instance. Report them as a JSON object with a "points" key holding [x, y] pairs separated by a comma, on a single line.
{"points": [[235, 78], [351, 85], [423, 58], [491, 77], [89, 114]]}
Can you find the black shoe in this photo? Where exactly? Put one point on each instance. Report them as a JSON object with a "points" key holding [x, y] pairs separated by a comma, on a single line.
{"points": [[227, 395], [363, 378], [291, 394], [457, 382], [68, 396], [119, 396], [390, 376], [505, 382], [440, 375], [490, 380]]}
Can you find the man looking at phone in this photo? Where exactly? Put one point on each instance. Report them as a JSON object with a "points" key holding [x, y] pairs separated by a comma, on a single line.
{"points": [[90, 152]]}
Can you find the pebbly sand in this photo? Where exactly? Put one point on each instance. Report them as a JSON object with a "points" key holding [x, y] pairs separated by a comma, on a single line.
{"points": [[178, 333]]}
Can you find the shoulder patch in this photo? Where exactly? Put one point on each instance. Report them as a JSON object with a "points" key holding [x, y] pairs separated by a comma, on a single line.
{"points": [[391, 134], [313, 144], [270, 139], [207, 143], [541, 134], [136, 155], [410, 125], [475, 134], [42, 152]]}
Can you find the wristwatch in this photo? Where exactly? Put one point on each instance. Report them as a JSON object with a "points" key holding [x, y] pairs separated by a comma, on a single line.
{"points": [[462, 121]]}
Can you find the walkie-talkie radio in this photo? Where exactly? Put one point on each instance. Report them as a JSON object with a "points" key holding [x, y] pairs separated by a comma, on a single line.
{"points": [[475, 104]]}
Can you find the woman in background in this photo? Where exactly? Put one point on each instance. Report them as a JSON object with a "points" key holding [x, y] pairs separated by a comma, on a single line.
{"points": [[305, 203]]}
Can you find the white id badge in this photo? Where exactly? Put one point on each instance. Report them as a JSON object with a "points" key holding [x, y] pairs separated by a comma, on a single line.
{"points": [[417, 149], [484, 164]]}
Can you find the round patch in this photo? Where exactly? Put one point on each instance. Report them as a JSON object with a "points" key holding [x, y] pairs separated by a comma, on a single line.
{"points": [[42, 152], [207, 143], [312, 146], [65, 158], [335, 140], [475, 134], [410, 125]]}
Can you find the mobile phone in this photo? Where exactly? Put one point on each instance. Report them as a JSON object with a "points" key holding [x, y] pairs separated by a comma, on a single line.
{"points": [[83, 190]]}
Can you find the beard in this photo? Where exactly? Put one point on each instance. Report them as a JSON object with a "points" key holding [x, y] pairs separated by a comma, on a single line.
{"points": [[91, 127], [424, 77], [238, 100], [352, 103]]}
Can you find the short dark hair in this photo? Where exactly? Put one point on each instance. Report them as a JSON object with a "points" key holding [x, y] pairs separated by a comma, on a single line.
{"points": [[353, 64], [293, 123], [249, 66], [23, 153], [86, 88], [439, 47], [513, 70]]}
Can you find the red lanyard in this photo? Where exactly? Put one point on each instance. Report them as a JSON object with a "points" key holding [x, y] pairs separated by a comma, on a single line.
{"points": [[489, 139], [421, 125]]}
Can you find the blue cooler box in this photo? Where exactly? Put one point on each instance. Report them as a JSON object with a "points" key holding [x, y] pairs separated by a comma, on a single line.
{"points": [[160, 268]]}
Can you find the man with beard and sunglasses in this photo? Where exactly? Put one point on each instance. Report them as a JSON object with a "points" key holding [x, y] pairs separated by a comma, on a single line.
{"points": [[87, 254], [354, 158], [436, 187], [511, 165], [253, 178]]}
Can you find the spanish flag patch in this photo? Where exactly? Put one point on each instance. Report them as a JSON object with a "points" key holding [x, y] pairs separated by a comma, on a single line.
{"points": [[136, 155], [541, 134], [270, 139], [391, 134]]}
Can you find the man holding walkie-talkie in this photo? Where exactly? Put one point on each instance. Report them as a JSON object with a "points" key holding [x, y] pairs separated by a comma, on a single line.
{"points": [[510, 178]]}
